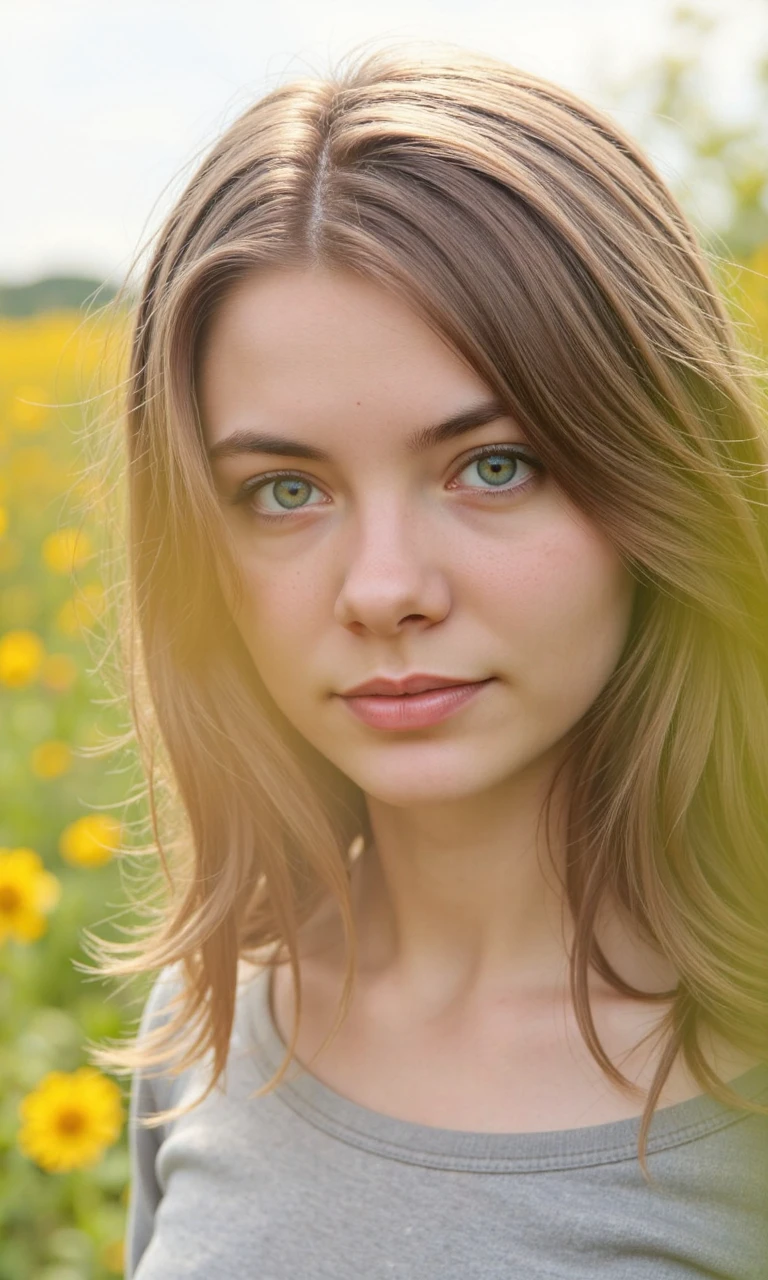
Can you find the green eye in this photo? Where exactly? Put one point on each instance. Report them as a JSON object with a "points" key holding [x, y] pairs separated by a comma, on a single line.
{"points": [[289, 490], [496, 466], [292, 492]]}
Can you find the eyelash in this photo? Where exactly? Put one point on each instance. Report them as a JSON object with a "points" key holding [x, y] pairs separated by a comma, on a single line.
{"points": [[252, 486]]}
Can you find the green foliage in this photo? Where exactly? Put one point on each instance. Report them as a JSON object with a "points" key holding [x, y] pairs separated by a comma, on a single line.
{"points": [[720, 166]]}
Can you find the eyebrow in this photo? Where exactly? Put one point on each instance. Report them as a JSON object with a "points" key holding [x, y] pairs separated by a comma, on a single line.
{"points": [[248, 441]]}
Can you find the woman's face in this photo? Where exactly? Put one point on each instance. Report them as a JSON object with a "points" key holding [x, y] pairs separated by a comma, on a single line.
{"points": [[383, 559]]}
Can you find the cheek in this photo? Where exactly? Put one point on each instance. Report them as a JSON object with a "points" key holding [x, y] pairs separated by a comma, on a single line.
{"points": [[282, 616], [549, 610], [561, 606]]}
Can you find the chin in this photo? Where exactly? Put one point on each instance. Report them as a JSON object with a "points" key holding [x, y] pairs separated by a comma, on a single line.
{"points": [[431, 779]]}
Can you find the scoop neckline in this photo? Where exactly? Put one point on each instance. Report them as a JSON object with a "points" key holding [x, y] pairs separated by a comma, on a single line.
{"points": [[480, 1151]]}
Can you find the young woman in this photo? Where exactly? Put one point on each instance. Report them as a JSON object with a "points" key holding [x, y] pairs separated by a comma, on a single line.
{"points": [[448, 521]]}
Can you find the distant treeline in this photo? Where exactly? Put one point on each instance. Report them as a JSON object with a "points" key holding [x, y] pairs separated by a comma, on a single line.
{"points": [[54, 293]]}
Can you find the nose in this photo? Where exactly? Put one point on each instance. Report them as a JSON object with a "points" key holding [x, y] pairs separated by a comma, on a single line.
{"points": [[391, 575]]}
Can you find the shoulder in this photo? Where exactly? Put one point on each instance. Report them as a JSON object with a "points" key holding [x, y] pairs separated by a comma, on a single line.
{"points": [[161, 1001], [166, 991]]}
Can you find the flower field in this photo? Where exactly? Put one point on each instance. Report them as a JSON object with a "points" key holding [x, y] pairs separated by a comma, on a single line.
{"points": [[63, 1153], [64, 1165]]}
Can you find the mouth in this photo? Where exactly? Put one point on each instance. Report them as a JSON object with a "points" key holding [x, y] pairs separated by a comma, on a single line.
{"points": [[420, 693], [413, 710], [407, 686]]}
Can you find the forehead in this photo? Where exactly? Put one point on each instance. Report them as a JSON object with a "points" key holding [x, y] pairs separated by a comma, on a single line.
{"points": [[277, 308], [305, 349]]}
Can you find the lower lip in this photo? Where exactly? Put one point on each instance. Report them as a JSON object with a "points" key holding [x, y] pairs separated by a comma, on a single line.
{"points": [[416, 710]]}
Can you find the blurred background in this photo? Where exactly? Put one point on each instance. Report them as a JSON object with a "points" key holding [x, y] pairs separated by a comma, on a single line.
{"points": [[108, 109]]}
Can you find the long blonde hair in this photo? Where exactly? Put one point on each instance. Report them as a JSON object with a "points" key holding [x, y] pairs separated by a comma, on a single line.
{"points": [[537, 238]]}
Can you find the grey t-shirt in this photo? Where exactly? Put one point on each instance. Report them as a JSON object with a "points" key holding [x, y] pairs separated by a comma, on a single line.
{"points": [[303, 1184]]}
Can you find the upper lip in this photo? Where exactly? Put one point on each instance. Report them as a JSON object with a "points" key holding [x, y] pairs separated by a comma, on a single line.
{"points": [[416, 683]]}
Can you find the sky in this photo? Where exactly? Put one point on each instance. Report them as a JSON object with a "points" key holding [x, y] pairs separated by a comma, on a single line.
{"points": [[108, 107]]}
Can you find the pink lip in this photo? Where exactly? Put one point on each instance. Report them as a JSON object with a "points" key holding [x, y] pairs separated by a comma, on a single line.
{"points": [[413, 711], [417, 682]]}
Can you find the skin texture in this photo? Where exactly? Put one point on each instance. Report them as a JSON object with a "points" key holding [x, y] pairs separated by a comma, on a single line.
{"points": [[392, 563], [389, 563], [383, 567]]}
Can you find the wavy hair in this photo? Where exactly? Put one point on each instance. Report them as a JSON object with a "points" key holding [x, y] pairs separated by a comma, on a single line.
{"points": [[537, 238]]}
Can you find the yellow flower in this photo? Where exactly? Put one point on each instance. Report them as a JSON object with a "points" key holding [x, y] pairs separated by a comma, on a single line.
{"points": [[27, 893], [3, 521], [21, 654], [70, 1119], [65, 549], [90, 841], [51, 759], [58, 672], [28, 408], [81, 610]]}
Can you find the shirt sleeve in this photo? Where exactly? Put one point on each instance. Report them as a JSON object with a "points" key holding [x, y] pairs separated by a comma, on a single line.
{"points": [[143, 1144]]}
